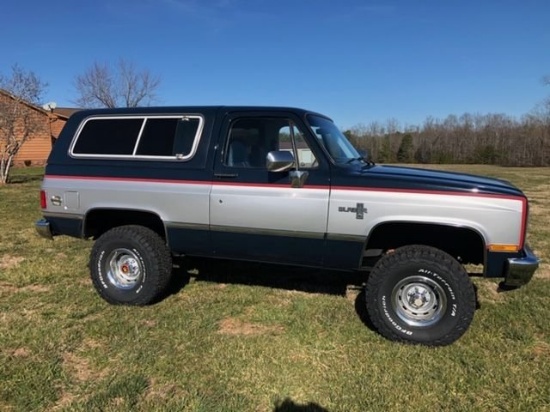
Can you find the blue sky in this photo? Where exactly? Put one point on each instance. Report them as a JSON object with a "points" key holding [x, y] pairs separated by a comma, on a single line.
{"points": [[356, 61]]}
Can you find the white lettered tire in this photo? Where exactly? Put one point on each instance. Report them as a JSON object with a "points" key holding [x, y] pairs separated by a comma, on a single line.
{"points": [[420, 294], [130, 265]]}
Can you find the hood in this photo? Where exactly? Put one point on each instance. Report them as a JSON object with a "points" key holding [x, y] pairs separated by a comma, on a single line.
{"points": [[407, 178]]}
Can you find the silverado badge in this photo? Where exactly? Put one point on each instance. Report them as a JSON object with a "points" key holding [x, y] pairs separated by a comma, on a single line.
{"points": [[359, 210]]}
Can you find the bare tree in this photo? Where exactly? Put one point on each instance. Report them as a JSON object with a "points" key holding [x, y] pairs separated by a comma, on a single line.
{"points": [[120, 86], [19, 119]]}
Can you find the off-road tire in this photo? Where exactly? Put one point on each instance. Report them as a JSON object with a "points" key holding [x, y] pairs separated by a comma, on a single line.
{"points": [[420, 295], [130, 265]]}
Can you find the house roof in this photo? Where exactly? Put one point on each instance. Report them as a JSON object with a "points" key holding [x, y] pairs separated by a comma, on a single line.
{"points": [[63, 112]]}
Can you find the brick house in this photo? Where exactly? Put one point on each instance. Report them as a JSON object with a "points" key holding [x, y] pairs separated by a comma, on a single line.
{"points": [[35, 150]]}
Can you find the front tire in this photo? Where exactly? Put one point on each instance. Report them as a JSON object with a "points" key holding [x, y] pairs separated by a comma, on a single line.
{"points": [[420, 294], [130, 265]]}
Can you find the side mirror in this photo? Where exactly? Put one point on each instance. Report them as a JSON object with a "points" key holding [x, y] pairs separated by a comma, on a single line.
{"points": [[279, 161]]}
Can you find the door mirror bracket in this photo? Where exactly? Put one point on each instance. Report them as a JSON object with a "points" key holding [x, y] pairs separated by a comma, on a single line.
{"points": [[298, 178]]}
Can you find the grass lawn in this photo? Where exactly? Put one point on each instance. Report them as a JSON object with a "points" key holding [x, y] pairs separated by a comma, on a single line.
{"points": [[236, 337]]}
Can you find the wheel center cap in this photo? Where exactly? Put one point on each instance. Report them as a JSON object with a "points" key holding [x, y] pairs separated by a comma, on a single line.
{"points": [[418, 302], [418, 298]]}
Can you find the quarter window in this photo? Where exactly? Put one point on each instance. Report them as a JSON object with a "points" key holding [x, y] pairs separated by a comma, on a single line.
{"points": [[157, 138], [167, 137], [108, 137]]}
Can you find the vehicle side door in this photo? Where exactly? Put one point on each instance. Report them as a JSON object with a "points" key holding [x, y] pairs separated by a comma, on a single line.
{"points": [[262, 215]]}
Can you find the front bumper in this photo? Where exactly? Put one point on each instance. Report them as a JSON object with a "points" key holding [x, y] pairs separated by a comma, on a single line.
{"points": [[519, 271], [43, 228]]}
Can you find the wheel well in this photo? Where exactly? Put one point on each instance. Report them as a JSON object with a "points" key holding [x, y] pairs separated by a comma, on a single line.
{"points": [[98, 221], [465, 244]]}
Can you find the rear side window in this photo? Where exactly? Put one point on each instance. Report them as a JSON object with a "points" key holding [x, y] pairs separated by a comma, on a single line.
{"points": [[108, 136], [143, 137], [158, 138]]}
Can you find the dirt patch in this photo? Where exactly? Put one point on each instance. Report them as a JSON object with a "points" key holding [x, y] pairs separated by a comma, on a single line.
{"points": [[21, 353], [279, 301], [64, 401], [159, 391], [541, 349], [488, 291], [8, 287], [233, 326], [10, 262], [84, 281], [91, 344], [36, 288], [543, 273], [79, 367]]}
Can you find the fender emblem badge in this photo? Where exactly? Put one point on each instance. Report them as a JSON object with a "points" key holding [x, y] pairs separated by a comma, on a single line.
{"points": [[359, 210]]}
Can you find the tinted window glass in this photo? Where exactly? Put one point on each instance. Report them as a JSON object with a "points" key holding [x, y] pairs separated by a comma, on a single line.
{"points": [[108, 137], [186, 133], [250, 140], [157, 138], [247, 143]]}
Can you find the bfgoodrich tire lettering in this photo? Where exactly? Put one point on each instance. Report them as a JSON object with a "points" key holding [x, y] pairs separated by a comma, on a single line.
{"points": [[419, 294], [130, 265]]}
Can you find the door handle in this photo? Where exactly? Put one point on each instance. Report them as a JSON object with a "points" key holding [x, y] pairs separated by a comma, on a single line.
{"points": [[226, 175]]}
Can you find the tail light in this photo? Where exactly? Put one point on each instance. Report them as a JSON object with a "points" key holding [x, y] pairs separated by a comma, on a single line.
{"points": [[43, 203]]}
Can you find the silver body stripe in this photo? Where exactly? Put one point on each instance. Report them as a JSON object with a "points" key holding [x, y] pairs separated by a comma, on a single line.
{"points": [[171, 201], [300, 212], [498, 220], [276, 208]]}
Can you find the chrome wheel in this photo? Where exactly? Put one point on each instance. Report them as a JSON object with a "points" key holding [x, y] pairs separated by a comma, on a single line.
{"points": [[124, 268], [419, 301]]}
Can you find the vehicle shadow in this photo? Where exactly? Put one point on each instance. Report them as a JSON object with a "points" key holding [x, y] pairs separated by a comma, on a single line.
{"points": [[260, 274], [349, 285], [288, 405], [336, 283]]}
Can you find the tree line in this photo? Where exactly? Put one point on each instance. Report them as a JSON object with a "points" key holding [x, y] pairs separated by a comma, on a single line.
{"points": [[496, 139], [471, 138]]}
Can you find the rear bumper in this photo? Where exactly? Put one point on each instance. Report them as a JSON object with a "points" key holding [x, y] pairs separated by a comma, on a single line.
{"points": [[43, 228], [519, 271]]}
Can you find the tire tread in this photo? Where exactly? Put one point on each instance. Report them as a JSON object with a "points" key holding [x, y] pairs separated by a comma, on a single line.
{"points": [[152, 245], [417, 254]]}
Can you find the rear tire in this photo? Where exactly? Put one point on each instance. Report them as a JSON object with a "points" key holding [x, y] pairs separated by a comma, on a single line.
{"points": [[420, 295], [130, 265]]}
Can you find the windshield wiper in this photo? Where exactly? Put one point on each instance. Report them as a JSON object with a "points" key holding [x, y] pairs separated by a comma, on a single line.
{"points": [[355, 159], [368, 163]]}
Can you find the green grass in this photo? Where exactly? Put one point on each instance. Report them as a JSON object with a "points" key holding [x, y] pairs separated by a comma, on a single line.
{"points": [[235, 337]]}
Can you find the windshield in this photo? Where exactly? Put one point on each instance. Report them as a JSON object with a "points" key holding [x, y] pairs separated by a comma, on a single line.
{"points": [[334, 141]]}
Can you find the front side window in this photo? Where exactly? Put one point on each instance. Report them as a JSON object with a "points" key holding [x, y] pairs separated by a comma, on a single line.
{"points": [[167, 137], [251, 139], [306, 158]]}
